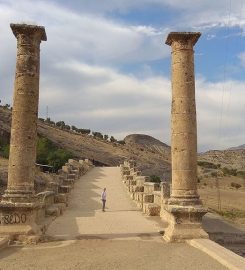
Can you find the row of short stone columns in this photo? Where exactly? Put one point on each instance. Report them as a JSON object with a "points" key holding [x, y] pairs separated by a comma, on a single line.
{"points": [[29, 226], [63, 183], [21, 210], [182, 208], [147, 195], [153, 199]]}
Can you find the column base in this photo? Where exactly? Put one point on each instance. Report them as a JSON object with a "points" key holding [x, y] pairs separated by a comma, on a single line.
{"points": [[21, 221], [184, 201], [18, 196], [184, 222]]}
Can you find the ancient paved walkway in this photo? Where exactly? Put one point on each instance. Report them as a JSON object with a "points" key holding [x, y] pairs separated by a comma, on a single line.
{"points": [[120, 238]]}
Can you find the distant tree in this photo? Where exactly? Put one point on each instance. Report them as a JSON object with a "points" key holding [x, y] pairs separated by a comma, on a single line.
{"points": [[84, 131], [67, 127], [74, 128], [97, 135], [6, 106], [106, 137], [122, 142], [60, 124], [112, 139], [41, 119]]}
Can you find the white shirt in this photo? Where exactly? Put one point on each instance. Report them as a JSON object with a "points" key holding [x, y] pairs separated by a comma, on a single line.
{"points": [[103, 196]]}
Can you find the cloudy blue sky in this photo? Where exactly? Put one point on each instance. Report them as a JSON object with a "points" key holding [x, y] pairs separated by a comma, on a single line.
{"points": [[105, 65]]}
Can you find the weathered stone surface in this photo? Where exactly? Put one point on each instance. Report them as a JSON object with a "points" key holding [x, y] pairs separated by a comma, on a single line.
{"points": [[61, 198], [148, 198], [65, 189], [150, 187], [25, 108], [151, 209], [20, 209], [183, 210], [185, 222]]}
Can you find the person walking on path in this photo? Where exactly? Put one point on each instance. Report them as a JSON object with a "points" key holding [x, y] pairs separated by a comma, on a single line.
{"points": [[103, 198]]}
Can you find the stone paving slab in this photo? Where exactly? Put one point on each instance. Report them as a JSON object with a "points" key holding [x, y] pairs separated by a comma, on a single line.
{"points": [[227, 258], [122, 218], [4, 240], [121, 238]]}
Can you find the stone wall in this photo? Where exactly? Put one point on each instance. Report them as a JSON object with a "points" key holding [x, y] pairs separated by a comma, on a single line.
{"points": [[148, 196], [56, 197], [52, 202]]}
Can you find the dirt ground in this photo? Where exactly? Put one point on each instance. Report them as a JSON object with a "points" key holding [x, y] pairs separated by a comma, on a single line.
{"points": [[221, 197], [100, 254]]}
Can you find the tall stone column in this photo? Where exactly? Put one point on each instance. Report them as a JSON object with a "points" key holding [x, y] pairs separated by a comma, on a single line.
{"points": [[184, 205], [19, 195]]}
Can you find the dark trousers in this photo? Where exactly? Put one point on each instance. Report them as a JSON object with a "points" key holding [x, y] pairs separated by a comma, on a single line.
{"points": [[103, 205]]}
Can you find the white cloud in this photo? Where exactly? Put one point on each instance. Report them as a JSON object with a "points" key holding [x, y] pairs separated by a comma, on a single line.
{"points": [[81, 81], [120, 104], [241, 57], [71, 36], [198, 14]]}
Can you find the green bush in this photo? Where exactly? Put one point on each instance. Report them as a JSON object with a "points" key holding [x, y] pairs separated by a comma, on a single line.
{"points": [[241, 174], [97, 135], [155, 179], [47, 153], [227, 171], [58, 158], [214, 174], [5, 150], [50, 154], [235, 185], [208, 165]]}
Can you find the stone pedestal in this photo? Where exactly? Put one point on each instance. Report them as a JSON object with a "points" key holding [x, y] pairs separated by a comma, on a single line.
{"points": [[21, 220], [183, 209], [19, 206]]}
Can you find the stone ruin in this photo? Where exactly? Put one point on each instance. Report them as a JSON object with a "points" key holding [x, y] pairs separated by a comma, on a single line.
{"points": [[149, 196], [181, 207], [22, 211], [28, 225]]}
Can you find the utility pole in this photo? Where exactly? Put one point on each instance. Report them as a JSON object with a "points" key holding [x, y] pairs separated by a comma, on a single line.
{"points": [[47, 113]]}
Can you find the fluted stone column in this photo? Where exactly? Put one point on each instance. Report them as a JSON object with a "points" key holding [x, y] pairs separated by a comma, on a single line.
{"points": [[19, 195], [25, 109], [184, 204], [184, 128]]}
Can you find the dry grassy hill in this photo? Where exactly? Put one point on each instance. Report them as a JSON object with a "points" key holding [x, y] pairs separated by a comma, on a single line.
{"points": [[233, 159], [150, 160], [152, 156]]}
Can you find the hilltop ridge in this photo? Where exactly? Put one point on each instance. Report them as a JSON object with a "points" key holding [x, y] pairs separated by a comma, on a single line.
{"points": [[152, 156], [101, 151]]}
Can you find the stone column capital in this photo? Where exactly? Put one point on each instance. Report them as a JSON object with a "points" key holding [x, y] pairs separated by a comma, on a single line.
{"points": [[32, 31], [182, 40]]}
